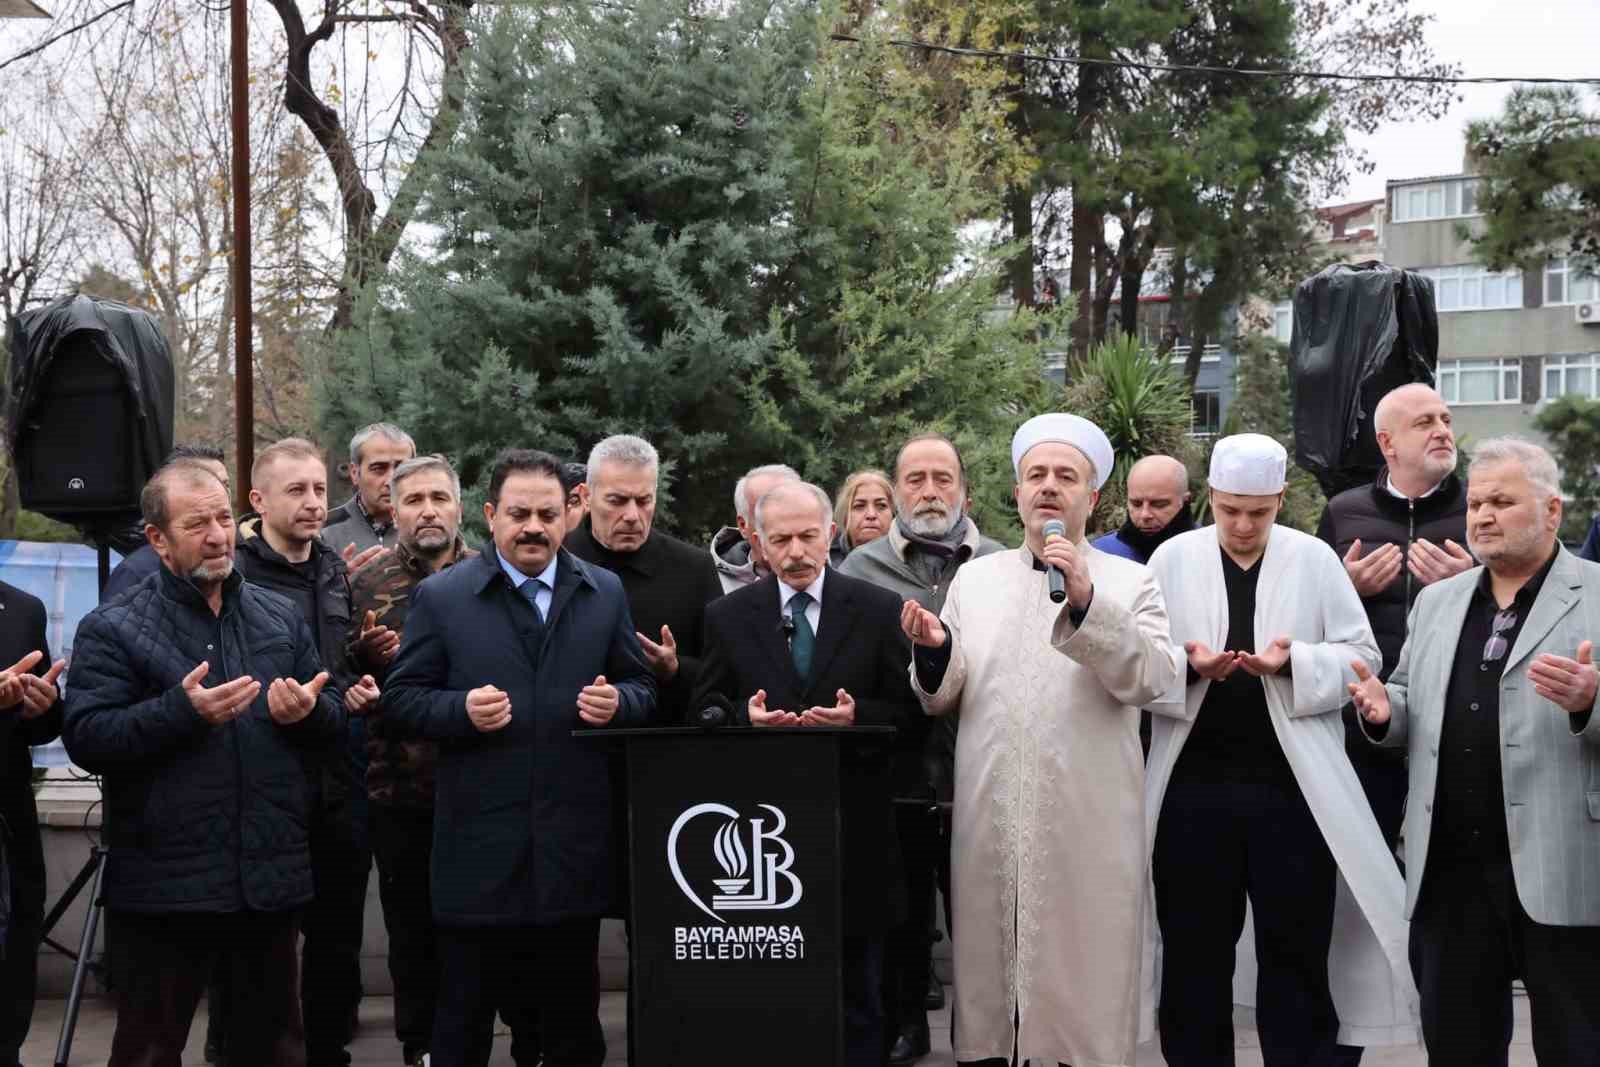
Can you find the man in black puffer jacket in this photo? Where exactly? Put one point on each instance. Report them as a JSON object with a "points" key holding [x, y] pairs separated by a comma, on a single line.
{"points": [[280, 550], [197, 696], [1403, 532]]}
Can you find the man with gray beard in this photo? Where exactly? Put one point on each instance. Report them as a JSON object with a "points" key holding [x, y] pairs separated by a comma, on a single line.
{"points": [[926, 545]]}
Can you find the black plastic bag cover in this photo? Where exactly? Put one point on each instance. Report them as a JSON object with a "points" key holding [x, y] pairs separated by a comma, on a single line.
{"points": [[1359, 331], [128, 337]]}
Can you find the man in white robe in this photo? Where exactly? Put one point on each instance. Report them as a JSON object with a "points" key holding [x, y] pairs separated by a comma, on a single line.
{"points": [[1250, 796], [1048, 836]]}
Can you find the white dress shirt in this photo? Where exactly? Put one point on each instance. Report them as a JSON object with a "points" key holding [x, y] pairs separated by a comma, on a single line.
{"points": [[786, 593]]}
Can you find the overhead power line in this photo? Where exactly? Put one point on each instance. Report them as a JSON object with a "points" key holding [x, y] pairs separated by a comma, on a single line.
{"points": [[1243, 72]]}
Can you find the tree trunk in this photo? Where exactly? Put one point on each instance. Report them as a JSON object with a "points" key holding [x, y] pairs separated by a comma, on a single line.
{"points": [[1088, 225], [1019, 206], [369, 242]]}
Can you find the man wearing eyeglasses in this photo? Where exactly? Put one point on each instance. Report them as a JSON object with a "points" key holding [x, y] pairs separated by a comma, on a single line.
{"points": [[1493, 698]]}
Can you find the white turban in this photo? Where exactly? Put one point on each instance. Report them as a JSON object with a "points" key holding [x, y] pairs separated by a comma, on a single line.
{"points": [[1065, 429], [1248, 464]]}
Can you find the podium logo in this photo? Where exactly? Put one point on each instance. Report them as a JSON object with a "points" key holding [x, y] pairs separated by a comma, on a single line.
{"points": [[755, 875]]}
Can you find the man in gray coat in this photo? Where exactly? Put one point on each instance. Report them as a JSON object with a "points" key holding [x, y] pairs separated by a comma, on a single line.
{"points": [[366, 521], [1493, 699], [929, 540]]}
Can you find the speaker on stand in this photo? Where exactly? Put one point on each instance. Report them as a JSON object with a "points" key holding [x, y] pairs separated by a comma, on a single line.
{"points": [[89, 418]]}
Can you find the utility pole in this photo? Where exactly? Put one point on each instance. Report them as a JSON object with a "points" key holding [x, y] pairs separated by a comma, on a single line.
{"points": [[244, 430]]}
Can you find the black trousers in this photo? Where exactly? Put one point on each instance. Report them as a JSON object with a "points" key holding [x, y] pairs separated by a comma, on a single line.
{"points": [[908, 951], [1385, 780], [1216, 845], [862, 973], [402, 843], [19, 973], [330, 958], [1469, 938], [549, 973], [163, 963]]}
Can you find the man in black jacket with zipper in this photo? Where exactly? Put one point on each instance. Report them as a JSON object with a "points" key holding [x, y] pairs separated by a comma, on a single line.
{"points": [[279, 549], [1406, 530], [195, 696], [30, 714]]}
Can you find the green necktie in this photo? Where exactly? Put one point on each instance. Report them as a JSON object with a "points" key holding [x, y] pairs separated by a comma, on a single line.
{"points": [[803, 641]]}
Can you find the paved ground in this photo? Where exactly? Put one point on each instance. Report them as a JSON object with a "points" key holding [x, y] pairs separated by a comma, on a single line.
{"points": [[375, 1044]]}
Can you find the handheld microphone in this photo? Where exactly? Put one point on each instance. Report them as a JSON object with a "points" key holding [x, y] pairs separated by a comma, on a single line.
{"points": [[1058, 581], [717, 712]]}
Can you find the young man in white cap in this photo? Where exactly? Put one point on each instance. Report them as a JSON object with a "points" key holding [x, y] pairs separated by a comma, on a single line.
{"points": [[1048, 845], [1250, 796]]}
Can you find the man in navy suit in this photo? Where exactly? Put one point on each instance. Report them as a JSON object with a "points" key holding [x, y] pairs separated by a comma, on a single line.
{"points": [[807, 646], [503, 657]]}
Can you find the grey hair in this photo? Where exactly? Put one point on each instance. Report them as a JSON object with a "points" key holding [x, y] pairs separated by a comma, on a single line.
{"points": [[154, 499], [624, 449], [740, 507], [1535, 462], [419, 464], [788, 487], [379, 429]]}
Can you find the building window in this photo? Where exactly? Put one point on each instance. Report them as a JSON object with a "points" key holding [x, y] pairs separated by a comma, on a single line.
{"points": [[1283, 321], [1470, 287], [1435, 200], [1480, 381], [1205, 413], [1576, 375], [1567, 283]]}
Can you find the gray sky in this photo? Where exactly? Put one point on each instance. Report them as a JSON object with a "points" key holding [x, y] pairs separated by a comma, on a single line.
{"points": [[1540, 38]]}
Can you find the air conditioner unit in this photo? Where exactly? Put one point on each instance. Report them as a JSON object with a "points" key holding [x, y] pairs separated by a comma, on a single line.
{"points": [[1587, 314]]}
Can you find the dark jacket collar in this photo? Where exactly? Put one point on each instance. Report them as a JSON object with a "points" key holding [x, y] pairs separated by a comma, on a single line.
{"points": [[485, 569], [254, 541], [185, 592], [1438, 502]]}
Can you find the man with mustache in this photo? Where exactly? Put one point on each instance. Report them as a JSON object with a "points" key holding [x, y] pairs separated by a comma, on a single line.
{"points": [[280, 549], [1158, 509], [927, 544], [807, 646], [504, 656], [1048, 845], [1397, 536], [196, 697], [734, 552], [400, 772], [1493, 696]]}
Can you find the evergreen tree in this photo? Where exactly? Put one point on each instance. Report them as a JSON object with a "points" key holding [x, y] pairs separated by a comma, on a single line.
{"points": [[608, 218]]}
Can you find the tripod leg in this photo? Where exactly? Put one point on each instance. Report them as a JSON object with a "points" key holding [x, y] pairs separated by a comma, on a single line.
{"points": [[91, 920], [87, 871]]}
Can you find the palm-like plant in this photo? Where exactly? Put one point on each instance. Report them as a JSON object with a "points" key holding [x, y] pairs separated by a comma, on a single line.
{"points": [[1141, 403]]}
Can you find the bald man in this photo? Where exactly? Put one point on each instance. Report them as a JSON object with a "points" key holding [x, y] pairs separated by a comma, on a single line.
{"points": [[1403, 532], [1158, 509]]}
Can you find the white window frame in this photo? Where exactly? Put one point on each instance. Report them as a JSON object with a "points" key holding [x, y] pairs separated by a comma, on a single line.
{"points": [[1194, 430], [1448, 380], [1438, 200], [1580, 289], [1463, 275], [1558, 365], [1283, 321]]}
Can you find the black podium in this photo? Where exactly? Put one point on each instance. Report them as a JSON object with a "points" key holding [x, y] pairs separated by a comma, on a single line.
{"points": [[734, 853]]}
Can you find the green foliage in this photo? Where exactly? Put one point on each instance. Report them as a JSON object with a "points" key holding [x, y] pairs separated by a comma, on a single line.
{"points": [[32, 526], [1140, 402], [1261, 405], [1572, 424], [729, 235], [1541, 159]]}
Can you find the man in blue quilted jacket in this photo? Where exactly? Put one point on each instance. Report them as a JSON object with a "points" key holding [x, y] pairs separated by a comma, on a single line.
{"points": [[195, 697]]}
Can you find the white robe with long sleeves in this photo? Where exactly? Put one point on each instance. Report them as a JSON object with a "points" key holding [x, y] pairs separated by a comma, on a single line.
{"points": [[1048, 857], [1304, 592]]}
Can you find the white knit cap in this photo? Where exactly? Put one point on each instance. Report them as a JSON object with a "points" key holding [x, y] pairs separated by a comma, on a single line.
{"points": [[1248, 464], [1062, 428]]}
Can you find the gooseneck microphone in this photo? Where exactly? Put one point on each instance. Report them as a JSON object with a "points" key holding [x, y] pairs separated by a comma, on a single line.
{"points": [[1058, 581], [717, 712]]}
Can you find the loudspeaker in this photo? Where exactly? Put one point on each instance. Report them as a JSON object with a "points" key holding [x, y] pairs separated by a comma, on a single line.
{"points": [[91, 409], [73, 456]]}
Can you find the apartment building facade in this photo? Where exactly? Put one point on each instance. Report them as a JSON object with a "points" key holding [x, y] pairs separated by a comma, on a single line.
{"points": [[1509, 341]]}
